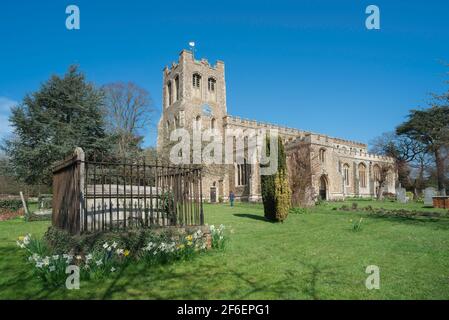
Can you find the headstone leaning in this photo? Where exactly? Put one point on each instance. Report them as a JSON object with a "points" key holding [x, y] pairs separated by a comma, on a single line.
{"points": [[401, 195], [429, 193]]}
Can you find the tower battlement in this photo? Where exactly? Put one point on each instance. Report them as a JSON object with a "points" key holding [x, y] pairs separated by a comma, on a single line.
{"points": [[186, 56]]}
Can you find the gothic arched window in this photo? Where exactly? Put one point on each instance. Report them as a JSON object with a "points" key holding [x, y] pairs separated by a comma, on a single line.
{"points": [[242, 174], [376, 173], [169, 92], [322, 155], [211, 82], [346, 173], [212, 123], [177, 88], [196, 81], [198, 123], [362, 175]]}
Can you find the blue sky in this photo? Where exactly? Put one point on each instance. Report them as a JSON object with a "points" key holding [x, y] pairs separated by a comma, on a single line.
{"points": [[306, 64]]}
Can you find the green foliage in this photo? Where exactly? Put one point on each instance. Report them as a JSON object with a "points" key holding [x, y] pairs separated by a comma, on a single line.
{"points": [[356, 224], [10, 205], [299, 210], [282, 195], [276, 193], [430, 127], [101, 254], [49, 124], [306, 244], [219, 237]]}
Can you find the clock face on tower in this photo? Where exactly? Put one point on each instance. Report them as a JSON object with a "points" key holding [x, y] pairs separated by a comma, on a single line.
{"points": [[206, 110]]}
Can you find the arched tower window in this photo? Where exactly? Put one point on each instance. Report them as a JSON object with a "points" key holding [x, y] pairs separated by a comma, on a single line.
{"points": [[346, 174], [211, 82], [196, 81], [168, 126], [212, 123], [177, 88], [362, 175], [169, 92], [198, 123], [322, 155]]}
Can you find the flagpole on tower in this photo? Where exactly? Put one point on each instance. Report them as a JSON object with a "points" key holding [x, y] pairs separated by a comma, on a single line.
{"points": [[192, 48]]}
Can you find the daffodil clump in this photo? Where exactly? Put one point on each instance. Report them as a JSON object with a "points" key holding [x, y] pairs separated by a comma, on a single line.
{"points": [[105, 256], [162, 250], [356, 224], [52, 268], [218, 236]]}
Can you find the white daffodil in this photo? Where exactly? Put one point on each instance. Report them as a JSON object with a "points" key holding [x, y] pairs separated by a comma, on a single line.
{"points": [[79, 258], [105, 245], [52, 268], [55, 257], [114, 245], [89, 257], [99, 262], [46, 261], [113, 269]]}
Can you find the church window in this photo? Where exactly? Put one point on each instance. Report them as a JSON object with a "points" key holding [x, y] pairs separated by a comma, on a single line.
{"points": [[362, 175], [376, 171], [212, 123], [177, 88], [211, 84], [198, 123], [242, 174], [196, 80], [169, 92], [322, 155], [346, 174]]}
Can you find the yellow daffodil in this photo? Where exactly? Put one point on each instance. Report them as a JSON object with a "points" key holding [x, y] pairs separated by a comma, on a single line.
{"points": [[181, 246], [21, 238], [189, 243], [189, 238], [126, 253]]}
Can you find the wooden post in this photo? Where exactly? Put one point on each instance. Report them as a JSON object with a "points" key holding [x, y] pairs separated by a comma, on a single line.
{"points": [[24, 203], [81, 157]]}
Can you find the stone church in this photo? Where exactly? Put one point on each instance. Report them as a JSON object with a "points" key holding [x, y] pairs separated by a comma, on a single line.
{"points": [[320, 167]]}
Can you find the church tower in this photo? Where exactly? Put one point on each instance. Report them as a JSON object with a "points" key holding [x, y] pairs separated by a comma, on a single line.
{"points": [[194, 93]]}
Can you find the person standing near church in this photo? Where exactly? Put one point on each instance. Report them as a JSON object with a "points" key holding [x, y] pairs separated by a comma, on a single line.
{"points": [[231, 198]]}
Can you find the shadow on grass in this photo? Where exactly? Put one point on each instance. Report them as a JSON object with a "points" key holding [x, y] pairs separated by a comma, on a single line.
{"points": [[252, 216], [433, 222], [17, 281], [168, 282]]}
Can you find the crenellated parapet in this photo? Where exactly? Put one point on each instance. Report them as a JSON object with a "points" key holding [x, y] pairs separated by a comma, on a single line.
{"points": [[248, 123]]}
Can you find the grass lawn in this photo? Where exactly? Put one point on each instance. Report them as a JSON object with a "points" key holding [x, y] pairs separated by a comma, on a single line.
{"points": [[311, 256]]}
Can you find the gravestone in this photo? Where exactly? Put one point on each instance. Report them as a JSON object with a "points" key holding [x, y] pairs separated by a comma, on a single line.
{"points": [[401, 195], [429, 193]]}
